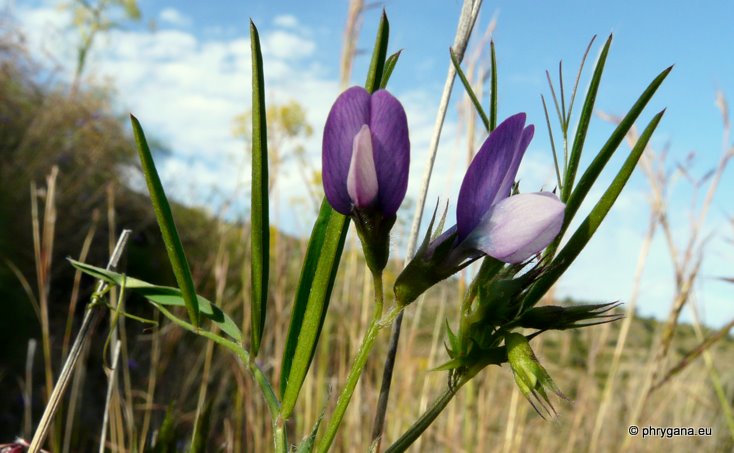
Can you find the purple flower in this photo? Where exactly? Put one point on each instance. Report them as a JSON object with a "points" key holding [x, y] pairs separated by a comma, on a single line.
{"points": [[508, 228], [366, 153], [488, 220]]}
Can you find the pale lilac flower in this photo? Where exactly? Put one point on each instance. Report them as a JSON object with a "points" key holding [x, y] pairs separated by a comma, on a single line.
{"points": [[366, 153], [489, 221], [508, 228]]}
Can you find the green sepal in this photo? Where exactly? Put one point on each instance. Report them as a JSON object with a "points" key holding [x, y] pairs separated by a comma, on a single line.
{"points": [[500, 296], [453, 340], [554, 317], [425, 270], [374, 232], [450, 365]]}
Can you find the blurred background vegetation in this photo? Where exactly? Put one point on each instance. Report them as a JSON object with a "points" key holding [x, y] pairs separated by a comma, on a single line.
{"points": [[67, 167]]}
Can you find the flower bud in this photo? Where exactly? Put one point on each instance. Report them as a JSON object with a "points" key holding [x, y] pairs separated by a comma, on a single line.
{"points": [[365, 160], [531, 378]]}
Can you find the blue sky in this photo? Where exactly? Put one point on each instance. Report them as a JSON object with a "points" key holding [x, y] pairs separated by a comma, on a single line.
{"points": [[188, 79]]}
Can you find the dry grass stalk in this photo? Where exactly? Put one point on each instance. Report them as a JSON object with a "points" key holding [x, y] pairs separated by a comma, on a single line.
{"points": [[351, 35], [686, 263], [28, 389], [91, 318], [111, 373], [77, 282], [624, 331]]}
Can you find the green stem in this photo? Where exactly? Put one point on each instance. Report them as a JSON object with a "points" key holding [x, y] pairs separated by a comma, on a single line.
{"points": [[267, 390], [359, 362], [389, 318], [279, 435], [271, 399], [420, 425]]}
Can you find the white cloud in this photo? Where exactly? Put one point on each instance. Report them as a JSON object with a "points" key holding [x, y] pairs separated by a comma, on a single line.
{"points": [[186, 91], [174, 17], [287, 45], [286, 21]]}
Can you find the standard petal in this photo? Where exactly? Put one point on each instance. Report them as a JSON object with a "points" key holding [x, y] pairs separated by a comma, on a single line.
{"points": [[347, 116], [518, 227], [362, 179], [486, 173], [391, 147], [506, 186]]}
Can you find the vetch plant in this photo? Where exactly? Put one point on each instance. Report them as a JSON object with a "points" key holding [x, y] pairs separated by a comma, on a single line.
{"points": [[366, 159]]}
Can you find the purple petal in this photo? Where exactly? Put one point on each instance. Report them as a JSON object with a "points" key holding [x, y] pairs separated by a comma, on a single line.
{"points": [[506, 186], [362, 179], [518, 227], [347, 116], [487, 173], [391, 147]]}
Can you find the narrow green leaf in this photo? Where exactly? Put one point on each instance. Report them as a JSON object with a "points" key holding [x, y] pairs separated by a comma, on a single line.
{"points": [[493, 89], [202, 426], [308, 271], [552, 142], [163, 295], [176, 254], [563, 95], [259, 221], [377, 64], [306, 445], [589, 226], [165, 440], [597, 165], [469, 89], [554, 97], [312, 300], [390, 63], [583, 125], [578, 79]]}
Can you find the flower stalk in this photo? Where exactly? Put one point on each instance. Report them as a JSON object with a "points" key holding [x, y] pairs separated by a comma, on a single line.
{"points": [[356, 371]]}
